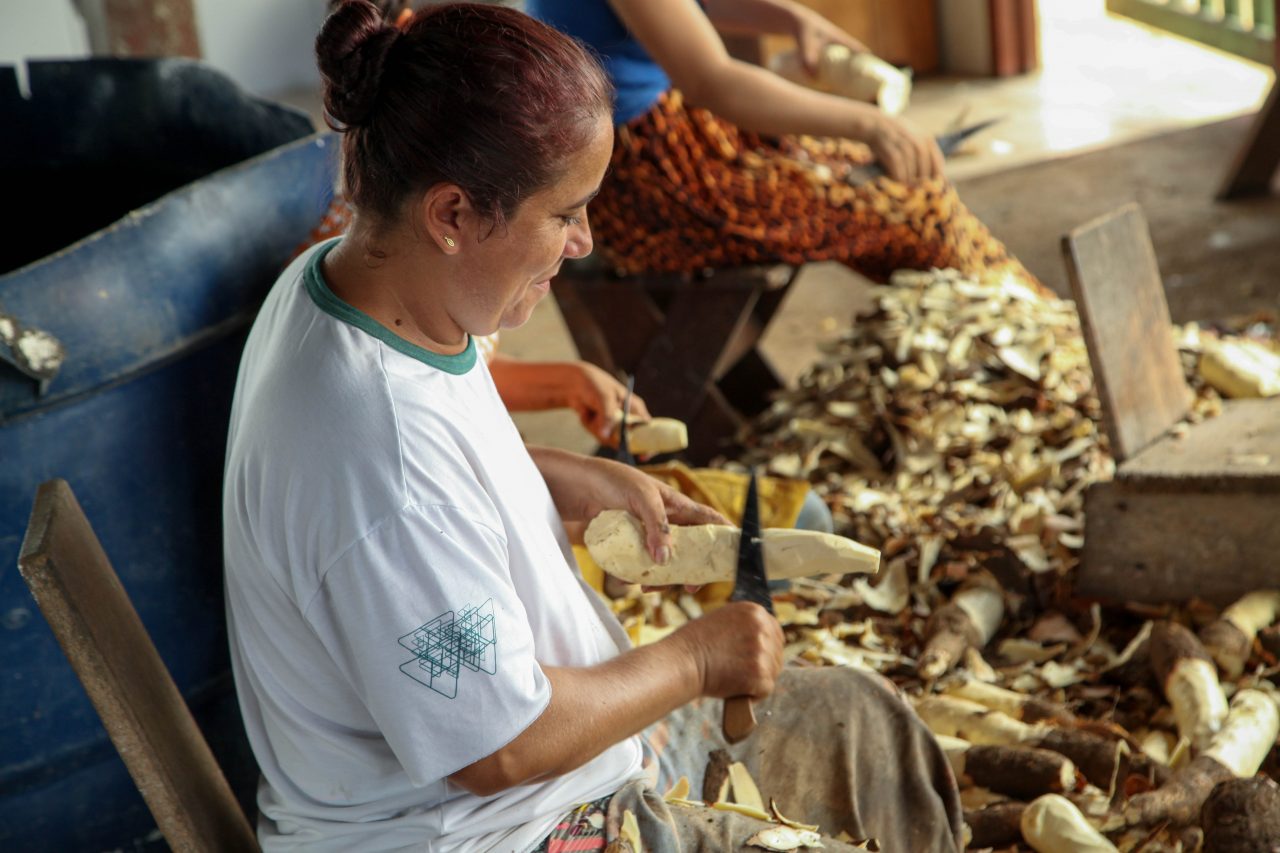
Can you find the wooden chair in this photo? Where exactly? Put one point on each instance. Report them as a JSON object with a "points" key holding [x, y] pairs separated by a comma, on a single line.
{"points": [[91, 615], [1194, 514], [691, 341]]}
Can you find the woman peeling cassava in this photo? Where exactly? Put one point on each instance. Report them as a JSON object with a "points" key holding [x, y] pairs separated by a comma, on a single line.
{"points": [[420, 666]]}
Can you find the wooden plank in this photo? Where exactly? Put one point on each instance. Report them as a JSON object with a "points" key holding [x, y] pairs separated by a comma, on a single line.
{"points": [[1125, 318], [140, 706], [1150, 545], [1237, 451]]}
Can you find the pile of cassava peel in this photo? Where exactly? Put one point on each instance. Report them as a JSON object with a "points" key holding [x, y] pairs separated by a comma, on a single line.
{"points": [[956, 429]]}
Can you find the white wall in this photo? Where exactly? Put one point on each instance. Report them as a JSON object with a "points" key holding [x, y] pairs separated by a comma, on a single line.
{"points": [[40, 29], [264, 45]]}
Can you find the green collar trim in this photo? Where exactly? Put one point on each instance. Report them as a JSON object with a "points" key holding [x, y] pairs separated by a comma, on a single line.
{"points": [[327, 301]]}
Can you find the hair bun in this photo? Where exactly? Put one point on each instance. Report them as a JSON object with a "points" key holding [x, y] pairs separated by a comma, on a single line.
{"points": [[351, 52]]}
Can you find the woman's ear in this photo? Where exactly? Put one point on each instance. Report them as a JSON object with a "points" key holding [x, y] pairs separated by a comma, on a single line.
{"points": [[444, 213]]}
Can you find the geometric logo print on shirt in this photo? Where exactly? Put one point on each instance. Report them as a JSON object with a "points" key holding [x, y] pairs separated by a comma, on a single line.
{"points": [[447, 643]]}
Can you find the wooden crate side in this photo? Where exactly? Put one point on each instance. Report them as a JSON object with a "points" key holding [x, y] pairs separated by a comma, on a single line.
{"points": [[1144, 545]]}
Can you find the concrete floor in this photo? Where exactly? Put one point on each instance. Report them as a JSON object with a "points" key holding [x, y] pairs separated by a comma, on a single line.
{"points": [[1104, 81]]}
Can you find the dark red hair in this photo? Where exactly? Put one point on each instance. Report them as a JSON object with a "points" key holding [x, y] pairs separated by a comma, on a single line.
{"points": [[481, 96]]}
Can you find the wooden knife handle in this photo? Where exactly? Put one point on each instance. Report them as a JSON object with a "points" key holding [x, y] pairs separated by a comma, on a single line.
{"points": [[739, 718]]}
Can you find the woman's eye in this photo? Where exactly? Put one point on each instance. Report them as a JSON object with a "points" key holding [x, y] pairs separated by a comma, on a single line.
{"points": [[571, 220]]}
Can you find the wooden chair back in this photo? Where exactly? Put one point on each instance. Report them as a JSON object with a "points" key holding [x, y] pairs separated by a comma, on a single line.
{"points": [[80, 595], [1125, 318]]}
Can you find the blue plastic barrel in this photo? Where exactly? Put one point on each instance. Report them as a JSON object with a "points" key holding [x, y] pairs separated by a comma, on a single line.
{"points": [[152, 311]]}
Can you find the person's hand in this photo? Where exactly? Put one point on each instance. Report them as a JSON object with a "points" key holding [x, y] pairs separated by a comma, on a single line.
{"points": [[813, 34], [600, 484], [905, 154], [737, 649], [597, 398]]}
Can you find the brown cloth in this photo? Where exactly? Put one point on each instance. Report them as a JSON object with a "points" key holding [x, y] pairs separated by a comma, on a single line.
{"points": [[835, 746], [687, 190]]}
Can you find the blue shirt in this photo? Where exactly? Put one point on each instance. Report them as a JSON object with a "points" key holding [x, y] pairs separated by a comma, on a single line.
{"points": [[637, 79]]}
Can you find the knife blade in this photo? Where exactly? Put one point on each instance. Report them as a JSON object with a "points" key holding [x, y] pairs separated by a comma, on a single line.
{"points": [[624, 445], [749, 585]]}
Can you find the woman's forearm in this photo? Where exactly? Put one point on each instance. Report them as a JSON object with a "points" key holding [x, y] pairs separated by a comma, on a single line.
{"points": [[753, 17], [591, 709], [759, 100], [527, 386]]}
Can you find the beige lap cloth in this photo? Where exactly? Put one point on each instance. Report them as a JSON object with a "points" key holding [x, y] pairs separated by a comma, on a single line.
{"points": [[836, 747]]}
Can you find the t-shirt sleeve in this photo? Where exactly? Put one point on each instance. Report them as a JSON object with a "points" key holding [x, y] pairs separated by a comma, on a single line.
{"points": [[422, 617]]}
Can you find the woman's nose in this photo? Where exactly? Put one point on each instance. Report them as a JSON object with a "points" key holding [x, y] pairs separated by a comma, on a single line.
{"points": [[579, 244]]}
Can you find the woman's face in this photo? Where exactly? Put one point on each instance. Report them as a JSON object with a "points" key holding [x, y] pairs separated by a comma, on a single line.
{"points": [[512, 267]]}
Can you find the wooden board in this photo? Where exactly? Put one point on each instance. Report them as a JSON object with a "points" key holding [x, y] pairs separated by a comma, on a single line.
{"points": [[1237, 451], [95, 623], [1125, 318], [1156, 545]]}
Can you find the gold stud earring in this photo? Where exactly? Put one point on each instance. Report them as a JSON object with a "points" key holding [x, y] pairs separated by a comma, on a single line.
{"points": [[448, 241]]}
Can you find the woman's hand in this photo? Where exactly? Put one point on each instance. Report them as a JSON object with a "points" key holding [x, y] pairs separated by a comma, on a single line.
{"points": [[584, 486], [905, 154], [597, 398], [813, 33]]}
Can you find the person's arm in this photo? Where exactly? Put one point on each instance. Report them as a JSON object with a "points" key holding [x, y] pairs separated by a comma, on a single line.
{"points": [[584, 486], [530, 386], [734, 651], [811, 30], [680, 37]]}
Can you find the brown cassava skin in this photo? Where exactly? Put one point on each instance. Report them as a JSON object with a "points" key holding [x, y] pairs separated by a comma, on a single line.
{"points": [[1171, 643], [999, 825], [1180, 799], [1038, 710], [1096, 757], [950, 632], [1021, 772], [717, 772], [1227, 645], [1242, 815]]}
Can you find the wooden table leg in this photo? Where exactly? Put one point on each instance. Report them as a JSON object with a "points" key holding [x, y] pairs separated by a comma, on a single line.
{"points": [[676, 370], [1255, 164]]}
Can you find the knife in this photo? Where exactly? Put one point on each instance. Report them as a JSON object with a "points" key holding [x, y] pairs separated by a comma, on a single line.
{"points": [[624, 446], [749, 585]]}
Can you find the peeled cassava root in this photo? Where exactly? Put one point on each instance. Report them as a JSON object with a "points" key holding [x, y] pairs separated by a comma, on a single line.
{"points": [[1229, 639], [655, 436], [1052, 824], [1190, 682], [708, 553], [968, 620], [1234, 752]]}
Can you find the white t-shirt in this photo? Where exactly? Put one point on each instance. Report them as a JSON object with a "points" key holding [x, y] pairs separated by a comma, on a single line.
{"points": [[395, 574]]}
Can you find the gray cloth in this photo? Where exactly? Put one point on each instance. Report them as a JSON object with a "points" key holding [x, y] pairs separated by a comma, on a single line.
{"points": [[835, 747]]}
